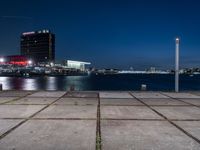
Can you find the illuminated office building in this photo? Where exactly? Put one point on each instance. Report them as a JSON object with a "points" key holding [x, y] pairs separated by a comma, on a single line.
{"points": [[38, 45]]}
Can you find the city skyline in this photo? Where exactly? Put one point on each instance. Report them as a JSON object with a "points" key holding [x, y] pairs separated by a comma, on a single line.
{"points": [[109, 34]]}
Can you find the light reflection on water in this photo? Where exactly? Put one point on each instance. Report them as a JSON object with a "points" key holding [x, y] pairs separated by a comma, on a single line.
{"points": [[29, 84], [44, 83], [101, 82], [51, 83], [80, 82], [6, 82]]}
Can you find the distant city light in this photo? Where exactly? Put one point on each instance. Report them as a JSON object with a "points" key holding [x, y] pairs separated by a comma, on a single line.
{"points": [[51, 64], [30, 62], [2, 60], [77, 62], [177, 40], [28, 33]]}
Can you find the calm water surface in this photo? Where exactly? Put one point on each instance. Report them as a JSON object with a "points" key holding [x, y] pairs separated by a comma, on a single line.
{"points": [[101, 82]]}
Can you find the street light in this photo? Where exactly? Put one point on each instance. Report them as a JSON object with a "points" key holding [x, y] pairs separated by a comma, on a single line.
{"points": [[2, 60], [177, 65], [51, 64], [30, 62]]}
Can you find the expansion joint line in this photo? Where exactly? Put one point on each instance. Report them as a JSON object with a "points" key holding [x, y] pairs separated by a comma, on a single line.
{"points": [[30, 117], [171, 122], [182, 101], [98, 127], [15, 99]]}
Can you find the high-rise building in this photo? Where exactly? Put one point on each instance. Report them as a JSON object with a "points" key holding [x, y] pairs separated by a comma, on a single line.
{"points": [[38, 45]]}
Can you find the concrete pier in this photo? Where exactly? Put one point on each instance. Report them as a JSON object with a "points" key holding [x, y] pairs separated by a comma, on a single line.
{"points": [[128, 120]]}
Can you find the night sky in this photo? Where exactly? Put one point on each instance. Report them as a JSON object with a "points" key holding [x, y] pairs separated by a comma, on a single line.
{"points": [[108, 33]]}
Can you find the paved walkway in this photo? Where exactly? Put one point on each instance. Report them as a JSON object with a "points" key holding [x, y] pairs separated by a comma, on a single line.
{"points": [[42, 120]]}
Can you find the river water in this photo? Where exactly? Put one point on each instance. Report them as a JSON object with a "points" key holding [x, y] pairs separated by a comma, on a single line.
{"points": [[154, 82]]}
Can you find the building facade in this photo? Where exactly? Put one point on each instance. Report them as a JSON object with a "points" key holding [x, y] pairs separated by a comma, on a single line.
{"points": [[79, 65], [15, 60], [38, 46]]}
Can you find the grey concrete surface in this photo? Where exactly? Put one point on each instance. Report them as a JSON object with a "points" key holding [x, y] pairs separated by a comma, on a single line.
{"points": [[181, 95], [114, 95], [192, 127], [6, 125], [185, 112], [82, 94], [34, 100], [144, 135], [14, 93], [124, 122], [18, 111], [68, 111], [6, 99], [77, 101], [162, 101], [120, 101], [52, 135], [47, 94], [192, 101], [195, 92], [128, 112], [148, 95]]}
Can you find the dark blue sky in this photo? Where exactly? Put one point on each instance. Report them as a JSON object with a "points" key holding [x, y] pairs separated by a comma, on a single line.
{"points": [[108, 33]]}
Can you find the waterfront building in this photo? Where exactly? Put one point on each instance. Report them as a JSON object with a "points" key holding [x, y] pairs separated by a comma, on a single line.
{"points": [[79, 65], [38, 46], [17, 60], [152, 70]]}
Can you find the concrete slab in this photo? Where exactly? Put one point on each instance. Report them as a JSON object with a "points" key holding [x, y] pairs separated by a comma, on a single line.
{"points": [[82, 94], [162, 101], [6, 125], [116, 101], [183, 112], [47, 94], [148, 95], [115, 95], [192, 127], [77, 101], [144, 135], [6, 99], [180, 95], [69, 111], [34, 100], [192, 101], [52, 135], [14, 93], [195, 93], [18, 111], [128, 112]]}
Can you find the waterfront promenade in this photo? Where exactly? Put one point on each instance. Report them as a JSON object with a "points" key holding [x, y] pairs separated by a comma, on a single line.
{"points": [[49, 120]]}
